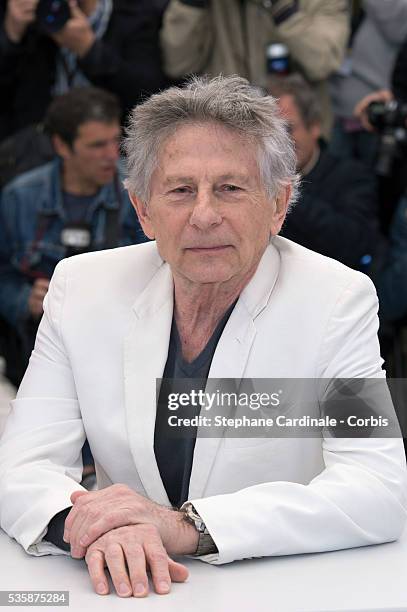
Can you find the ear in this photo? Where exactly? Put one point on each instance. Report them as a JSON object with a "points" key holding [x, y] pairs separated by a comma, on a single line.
{"points": [[280, 209], [315, 130], [61, 148], [143, 215]]}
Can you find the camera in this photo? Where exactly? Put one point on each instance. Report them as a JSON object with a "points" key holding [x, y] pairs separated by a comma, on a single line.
{"points": [[52, 15], [390, 121]]}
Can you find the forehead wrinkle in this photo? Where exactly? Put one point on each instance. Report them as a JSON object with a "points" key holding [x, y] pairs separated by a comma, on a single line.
{"points": [[184, 149]]}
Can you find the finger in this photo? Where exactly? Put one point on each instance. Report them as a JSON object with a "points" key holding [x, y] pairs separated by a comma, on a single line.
{"points": [[95, 561], [43, 283], [115, 561], [29, 4], [38, 296], [76, 494], [178, 572], [38, 293], [90, 530], [83, 519], [157, 560], [136, 563], [36, 302], [76, 508], [28, 13], [75, 10]]}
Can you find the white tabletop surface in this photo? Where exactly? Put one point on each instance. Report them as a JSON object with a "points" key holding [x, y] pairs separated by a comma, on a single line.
{"points": [[362, 579]]}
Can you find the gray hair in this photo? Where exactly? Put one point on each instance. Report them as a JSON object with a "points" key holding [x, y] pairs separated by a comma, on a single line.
{"points": [[229, 101], [301, 91]]}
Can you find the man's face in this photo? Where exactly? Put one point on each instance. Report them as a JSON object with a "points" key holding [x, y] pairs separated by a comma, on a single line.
{"points": [[305, 138], [94, 152], [208, 210]]}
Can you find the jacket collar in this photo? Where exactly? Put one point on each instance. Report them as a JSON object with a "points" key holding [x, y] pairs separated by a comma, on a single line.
{"points": [[108, 196]]}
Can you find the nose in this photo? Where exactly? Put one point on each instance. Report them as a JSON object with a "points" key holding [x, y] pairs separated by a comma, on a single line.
{"points": [[205, 213]]}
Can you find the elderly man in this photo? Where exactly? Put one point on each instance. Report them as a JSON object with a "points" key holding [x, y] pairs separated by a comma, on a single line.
{"points": [[217, 295]]}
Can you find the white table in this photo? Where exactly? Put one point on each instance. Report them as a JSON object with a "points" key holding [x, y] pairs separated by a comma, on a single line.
{"points": [[363, 579]]}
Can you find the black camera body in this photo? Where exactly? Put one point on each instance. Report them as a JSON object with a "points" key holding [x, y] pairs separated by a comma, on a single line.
{"points": [[52, 15], [390, 121]]}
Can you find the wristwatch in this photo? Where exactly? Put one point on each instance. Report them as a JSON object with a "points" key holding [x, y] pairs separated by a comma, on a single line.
{"points": [[206, 545]]}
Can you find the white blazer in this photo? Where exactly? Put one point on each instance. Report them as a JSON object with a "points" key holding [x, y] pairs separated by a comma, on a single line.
{"points": [[102, 343]]}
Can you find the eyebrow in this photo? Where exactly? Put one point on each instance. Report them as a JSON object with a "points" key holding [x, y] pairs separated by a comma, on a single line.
{"points": [[178, 179], [190, 179]]}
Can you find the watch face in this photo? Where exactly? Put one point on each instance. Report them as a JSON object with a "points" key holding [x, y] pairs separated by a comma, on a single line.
{"points": [[193, 517], [200, 526]]}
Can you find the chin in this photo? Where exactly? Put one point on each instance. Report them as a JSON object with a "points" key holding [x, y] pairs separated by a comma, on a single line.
{"points": [[208, 275]]}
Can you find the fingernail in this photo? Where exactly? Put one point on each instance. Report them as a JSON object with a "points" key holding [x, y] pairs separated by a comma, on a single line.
{"points": [[124, 589], [66, 536], [164, 586], [84, 541], [77, 553], [140, 589], [101, 588]]}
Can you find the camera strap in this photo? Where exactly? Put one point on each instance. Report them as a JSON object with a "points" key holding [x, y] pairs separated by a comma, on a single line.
{"points": [[43, 224], [112, 218]]}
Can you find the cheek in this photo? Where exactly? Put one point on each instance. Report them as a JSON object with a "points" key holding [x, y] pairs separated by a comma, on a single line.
{"points": [[165, 236], [86, 162]]}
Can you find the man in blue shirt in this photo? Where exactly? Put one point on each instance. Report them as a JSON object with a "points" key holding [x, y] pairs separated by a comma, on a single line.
{"points": [[73, 204]]}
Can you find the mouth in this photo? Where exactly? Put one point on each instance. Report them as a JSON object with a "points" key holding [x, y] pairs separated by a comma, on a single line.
{"points": [[211, 249]]}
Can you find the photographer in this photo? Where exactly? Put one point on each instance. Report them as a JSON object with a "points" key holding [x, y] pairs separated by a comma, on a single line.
{"points": [[392, 280], [232, 36], [336, 213], [73, 204], [47, 47], [380, 31]]}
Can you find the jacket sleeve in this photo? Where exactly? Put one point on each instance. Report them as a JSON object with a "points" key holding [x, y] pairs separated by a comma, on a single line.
{"points": [[186, 38], [317, 37], [390, 16], [40, 451], [357, 500], [392, 279], [14, 289], [399, 79]]}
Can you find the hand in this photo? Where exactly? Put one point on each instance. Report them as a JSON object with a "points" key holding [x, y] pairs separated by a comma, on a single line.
{"points": [[38, 292], [360, 111], [95, 513], [141, 547], [76, 35], [19, 14]]}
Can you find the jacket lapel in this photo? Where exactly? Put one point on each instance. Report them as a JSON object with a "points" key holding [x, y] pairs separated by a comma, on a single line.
{"points": [[231, 356], [145, 355]]}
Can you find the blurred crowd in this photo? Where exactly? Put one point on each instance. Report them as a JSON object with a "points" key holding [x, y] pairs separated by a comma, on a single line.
{"points": [[71, 71]]}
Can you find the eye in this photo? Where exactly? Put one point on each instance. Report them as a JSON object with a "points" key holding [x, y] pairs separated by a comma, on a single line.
{"points": [[230, 188], [181, 190]]}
